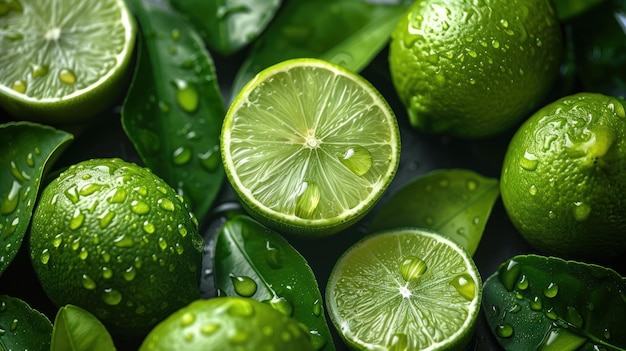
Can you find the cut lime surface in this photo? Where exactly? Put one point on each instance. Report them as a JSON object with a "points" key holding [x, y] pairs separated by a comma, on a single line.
{"points": [[405, 289], [63, 61], [309, 146]]}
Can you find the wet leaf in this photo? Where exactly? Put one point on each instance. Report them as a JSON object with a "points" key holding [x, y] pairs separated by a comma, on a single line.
{"points": [[452, 202], [228, 25], [545, 303], [21, 327], [174, 109], [26, 149], [346, 32], [75, 329], [253, 261]]}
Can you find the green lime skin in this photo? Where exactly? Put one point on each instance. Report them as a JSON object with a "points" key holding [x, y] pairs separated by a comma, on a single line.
{"points": [[228, 323], [113, 238], [562, 181], [474, 69]]}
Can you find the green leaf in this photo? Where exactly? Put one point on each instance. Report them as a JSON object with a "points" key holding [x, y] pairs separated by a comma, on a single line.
{"points": [[21, 327], [26, 149], [346, 32], [452, 202], [253, 261], [568, 9], [228, 25], [75, 329], [173, 112], [545, 303]]}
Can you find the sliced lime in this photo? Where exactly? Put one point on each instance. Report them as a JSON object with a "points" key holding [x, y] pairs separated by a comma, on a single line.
{"points": [[405, 289], [63, 60], [309, 146]]}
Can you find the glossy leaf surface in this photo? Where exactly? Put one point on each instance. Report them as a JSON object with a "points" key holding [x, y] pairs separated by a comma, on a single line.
{"points": [[228, 25], [75, 329], [21, 327], [174, 109], [253, 261], [452, 202], [346, 32], [25, 150], [544, 303]]}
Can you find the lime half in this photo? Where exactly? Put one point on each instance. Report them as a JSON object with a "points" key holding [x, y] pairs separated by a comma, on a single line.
{"points": [[405, 289], [63, 60], [309, 146]]}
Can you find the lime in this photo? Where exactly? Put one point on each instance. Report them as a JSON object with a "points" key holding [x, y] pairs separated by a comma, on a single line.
{"points": [[563, 181], [111, 237], [474, 70], [405, 289], [309, 146], [228, 323], [63, 61]]}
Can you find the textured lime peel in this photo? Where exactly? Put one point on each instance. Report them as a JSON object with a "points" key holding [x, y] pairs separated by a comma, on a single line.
{"points": [[310, 146]]}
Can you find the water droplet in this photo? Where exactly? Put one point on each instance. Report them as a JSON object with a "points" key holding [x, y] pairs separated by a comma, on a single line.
{"points": [[181, 156], [471, 185], [398, 342], [72, 194], [504, 331], [522, 284], [139, 207], [617, 108], [182, 230], [186, 96], [9, 203], [238, 336], [38, 70], [175, 33], [515, 308], [111, 296], [45, 256], [19, 86], [208, 329], [357, 159], [83, 254], [272, 255], [244, 286], [13, 325], [529, 162], [307, 199], [282, 305], [117, 195], [66, 76], [532, 190], [581, 211], [130, 273], [148, 227], [124, 241], [162, 243], [211, 159], [89, 189], [317, 308], [166, 204], [560, 339], [88, 283], [58, 240], [107, 273], [574, 317], [551, 290], [412, 268], [106, 218], [465, 285], [77, 219], [536, 304]]}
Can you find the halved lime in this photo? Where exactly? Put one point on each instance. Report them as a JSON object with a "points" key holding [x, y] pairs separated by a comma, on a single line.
{"points": [[405, 289], [63, 60], [309, 146]]}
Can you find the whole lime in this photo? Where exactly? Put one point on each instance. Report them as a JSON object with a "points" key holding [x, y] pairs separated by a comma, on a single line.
{"points": [[563, 181], [474, 68], [113, 238]]}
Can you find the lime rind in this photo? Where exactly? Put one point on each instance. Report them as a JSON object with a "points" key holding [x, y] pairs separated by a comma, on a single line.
{"points": [[328, 147], [373, 306]]}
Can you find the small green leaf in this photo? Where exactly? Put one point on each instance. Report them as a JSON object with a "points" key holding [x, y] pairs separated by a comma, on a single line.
{"points": [[75, 329], [452, 202], [228, 25], [26, 149], [346, 32], [21, 327], [253, 261], [173, 112], [545, 303]]}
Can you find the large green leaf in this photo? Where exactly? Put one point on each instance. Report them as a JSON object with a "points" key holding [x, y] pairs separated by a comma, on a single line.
{"points": [[452, 202], [75, 329], [228, 25], [346, 32], [173, 112], [253, 261], [21, 327], [545, 303], [25, 151]]}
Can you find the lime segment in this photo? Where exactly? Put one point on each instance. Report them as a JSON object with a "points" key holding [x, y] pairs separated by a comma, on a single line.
{"points": [[406, 287], [310, 146]]}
